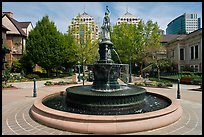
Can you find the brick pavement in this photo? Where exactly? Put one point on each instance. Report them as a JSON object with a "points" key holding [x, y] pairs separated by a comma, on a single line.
{"points": [[17, 121]]}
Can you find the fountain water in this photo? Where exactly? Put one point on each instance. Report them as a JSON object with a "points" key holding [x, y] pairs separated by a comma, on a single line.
{"points": [[106, 107]]}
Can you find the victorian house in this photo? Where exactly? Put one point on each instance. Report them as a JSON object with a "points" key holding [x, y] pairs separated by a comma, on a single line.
{"points": [[15, 38]]}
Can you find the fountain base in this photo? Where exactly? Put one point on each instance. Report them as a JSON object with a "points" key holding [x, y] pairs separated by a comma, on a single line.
{"points": [[109, 124]]}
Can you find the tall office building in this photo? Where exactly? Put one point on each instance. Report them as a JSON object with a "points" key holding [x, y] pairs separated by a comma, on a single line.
{"points": [[84, 19], [184, 24], [128, 18]]}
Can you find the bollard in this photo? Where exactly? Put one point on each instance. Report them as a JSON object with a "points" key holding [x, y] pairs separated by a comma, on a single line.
{"points": [[178, 90], [79, 77], [34, 89], [130, 69]]}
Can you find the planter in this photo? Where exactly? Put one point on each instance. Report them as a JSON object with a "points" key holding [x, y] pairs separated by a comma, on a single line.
{"points": [[186, 80]]}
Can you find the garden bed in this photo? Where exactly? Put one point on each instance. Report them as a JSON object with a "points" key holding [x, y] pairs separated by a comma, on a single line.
{"points": [[61, 83], [154, 84]]}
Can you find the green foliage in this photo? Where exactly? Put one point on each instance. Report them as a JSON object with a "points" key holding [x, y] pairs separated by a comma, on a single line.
{"points": [[127, 40], [49, 83], [32, 76], [71, 50], [157, 83], [85, 49], [16, 77], [6, 75], [46, 46], [7, 85], [16, 66], [27, 64], [137, 44]]}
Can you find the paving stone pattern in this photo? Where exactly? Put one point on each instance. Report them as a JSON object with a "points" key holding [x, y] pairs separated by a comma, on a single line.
{"points": [[16, 119]]}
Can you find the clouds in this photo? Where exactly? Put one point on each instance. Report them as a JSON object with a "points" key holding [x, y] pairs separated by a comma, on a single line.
{"points": [[62, 12]]}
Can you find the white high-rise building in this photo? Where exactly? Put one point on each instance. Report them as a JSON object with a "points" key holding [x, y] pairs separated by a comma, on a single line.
{"points": [[128, 18], [86, 19]]}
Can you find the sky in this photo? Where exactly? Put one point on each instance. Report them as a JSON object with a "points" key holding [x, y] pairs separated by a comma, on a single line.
{"points": [[61, 13]]}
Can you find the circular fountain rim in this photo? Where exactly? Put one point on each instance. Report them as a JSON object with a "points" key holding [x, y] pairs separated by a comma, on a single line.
{"points": [[38, 104], [85, 123]]}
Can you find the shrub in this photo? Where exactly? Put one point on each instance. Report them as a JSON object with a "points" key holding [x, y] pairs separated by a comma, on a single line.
{"points": [[154, 83], [32, 76], [169, 84], [139, 83], [61, 83], [7, 85], [161, 85], [48, 83], [186, 80], [6, 75]]}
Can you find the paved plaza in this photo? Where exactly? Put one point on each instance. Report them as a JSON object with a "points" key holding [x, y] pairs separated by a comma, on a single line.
{"points": [[16, 104]]}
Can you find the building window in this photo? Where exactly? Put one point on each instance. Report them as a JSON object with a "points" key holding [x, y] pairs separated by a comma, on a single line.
{"points": [[172, 53], [196, 52], [192, 52], [195, 68], [181, 68], [181, 54]]}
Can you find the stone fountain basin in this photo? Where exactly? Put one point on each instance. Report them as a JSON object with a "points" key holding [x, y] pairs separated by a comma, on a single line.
{"points": [[98, 124]]}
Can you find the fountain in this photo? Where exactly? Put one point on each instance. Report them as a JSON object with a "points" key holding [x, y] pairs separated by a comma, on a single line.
{"points": [[106, 107]]}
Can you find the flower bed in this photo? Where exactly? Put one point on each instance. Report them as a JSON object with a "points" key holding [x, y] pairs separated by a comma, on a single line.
{"points": [[153, 84], [49, 83]]}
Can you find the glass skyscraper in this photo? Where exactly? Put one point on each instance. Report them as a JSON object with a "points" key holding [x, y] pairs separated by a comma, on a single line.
{"points": [[184, 24]]}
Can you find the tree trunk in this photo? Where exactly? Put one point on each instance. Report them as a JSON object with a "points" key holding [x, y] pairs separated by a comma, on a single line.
{"points": [[158, 72], [83, 73], [141, 72], [57, 74], [48, 72]]}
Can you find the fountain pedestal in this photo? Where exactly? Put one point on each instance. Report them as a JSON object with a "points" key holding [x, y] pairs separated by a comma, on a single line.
{"points": [[106, 72]]}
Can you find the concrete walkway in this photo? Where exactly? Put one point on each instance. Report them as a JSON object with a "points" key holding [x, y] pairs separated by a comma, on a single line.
{"points": [[16, 104]]}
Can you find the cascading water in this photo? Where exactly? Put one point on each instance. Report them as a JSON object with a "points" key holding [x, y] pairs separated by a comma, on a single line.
{"points": [[117, 56]]}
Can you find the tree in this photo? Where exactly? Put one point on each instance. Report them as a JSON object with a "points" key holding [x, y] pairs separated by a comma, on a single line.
{"points": [[127, 40], [71, 53], [27, 64], [151, 46], [86, 47], [45, 45]]}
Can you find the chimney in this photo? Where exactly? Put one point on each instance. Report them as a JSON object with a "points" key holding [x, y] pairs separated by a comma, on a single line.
{"points": [[10, 14]]}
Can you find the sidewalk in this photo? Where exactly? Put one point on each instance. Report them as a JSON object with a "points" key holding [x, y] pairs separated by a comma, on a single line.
{"points": [[17, 121]]}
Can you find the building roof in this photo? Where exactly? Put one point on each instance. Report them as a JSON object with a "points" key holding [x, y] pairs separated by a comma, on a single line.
{"points": [[24, 24], [16, 24], [170, 37], [5, 28], [128, 15], [85, 15]]}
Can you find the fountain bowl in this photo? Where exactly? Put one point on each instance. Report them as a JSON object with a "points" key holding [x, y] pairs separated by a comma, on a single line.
{"points": [[108, 124]]}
